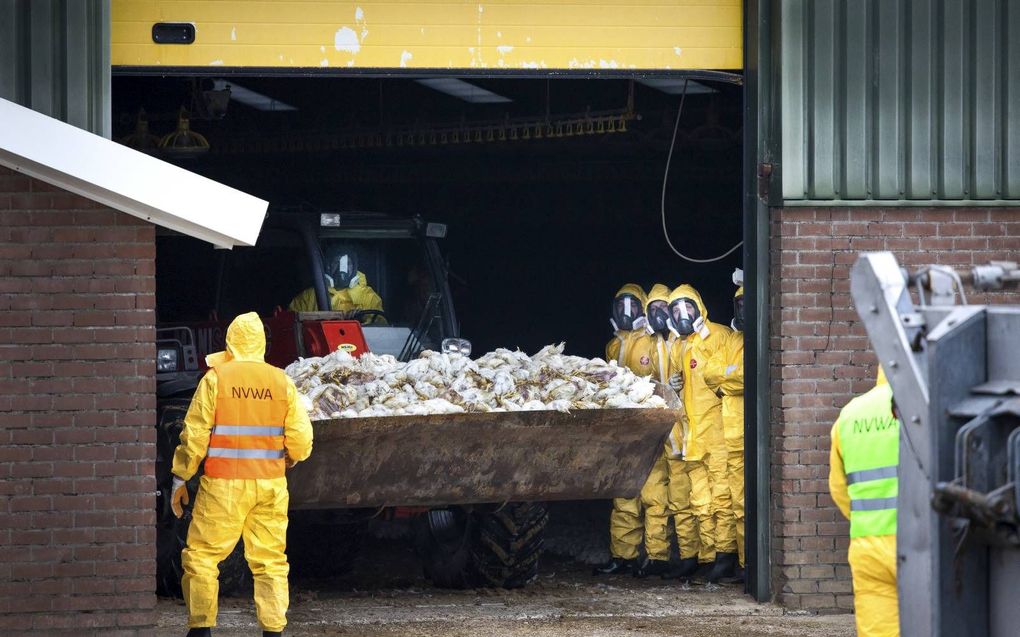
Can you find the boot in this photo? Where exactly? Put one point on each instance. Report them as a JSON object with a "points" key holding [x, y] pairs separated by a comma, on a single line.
{"points": [[652, 567], [615, 566], [737, 578], [272, 633], [684, 570], [704, 568], [725, 566], [200, 632]]}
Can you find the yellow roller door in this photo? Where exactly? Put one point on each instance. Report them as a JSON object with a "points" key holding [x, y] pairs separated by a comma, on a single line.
{"points": [[505, 35]]}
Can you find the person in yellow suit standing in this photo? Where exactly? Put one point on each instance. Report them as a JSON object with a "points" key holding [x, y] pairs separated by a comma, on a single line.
{"points": [[668, 475], [631, 347], [247, 422], [863, 480], [724, 374], [704, 449]]}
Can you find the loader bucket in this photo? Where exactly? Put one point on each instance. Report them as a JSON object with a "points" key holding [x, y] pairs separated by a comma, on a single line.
{"points": [[481, 457]]}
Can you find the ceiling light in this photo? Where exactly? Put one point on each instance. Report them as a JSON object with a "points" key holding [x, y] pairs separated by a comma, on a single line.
{"points": [[184, 143], [465, 91], [250, 98], [675, 86]]}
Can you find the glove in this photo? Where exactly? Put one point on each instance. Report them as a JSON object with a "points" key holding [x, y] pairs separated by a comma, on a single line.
{"points": [[179, 496], [676, 382], [290, 463]]}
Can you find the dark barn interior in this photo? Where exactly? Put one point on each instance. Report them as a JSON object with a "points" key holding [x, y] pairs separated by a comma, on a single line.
{"points": [[548, 211]]}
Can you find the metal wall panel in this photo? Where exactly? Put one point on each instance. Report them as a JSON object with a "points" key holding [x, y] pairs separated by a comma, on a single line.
{"points": [[600, 35], [55, 59], [900, 101]]}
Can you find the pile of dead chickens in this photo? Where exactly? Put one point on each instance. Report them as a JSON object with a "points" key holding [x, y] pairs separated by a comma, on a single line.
{"points": [[341, 386]]}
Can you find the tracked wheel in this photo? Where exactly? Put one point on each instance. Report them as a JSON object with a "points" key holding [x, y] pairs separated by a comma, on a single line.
{"points": [[508, 544]]}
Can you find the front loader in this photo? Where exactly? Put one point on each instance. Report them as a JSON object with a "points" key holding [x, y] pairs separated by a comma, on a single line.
{"points": [[471, 483]]}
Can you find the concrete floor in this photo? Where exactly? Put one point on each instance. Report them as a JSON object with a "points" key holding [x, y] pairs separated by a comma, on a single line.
{"points": [[386, 595], [566, 601]]}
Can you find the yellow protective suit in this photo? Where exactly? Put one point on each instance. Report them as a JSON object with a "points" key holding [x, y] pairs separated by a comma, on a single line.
{"points": [[724, 374], [634, 350], [872, 558], [226, 509], [362, 295], [704, 445], [359, 296], [670, 470], [339, 301]]}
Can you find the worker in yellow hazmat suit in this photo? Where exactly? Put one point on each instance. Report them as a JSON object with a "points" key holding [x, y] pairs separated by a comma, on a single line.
{"points": [[631, 347], [654, 493], [704, 449], [247, 422], [346, 286], [724, 374], [863, 469], [677, 483]]}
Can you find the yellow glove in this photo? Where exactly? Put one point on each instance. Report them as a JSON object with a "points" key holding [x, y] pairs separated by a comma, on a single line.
{"points": [[179, 496]]}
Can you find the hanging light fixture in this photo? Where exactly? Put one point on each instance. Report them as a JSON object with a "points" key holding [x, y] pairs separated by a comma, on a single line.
{"points": [[142, 139], [183, 143]]}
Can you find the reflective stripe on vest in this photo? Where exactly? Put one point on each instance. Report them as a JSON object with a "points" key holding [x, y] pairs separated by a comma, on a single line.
{"points": [[873, 504], [869, 441], [247, 439], [872, 474], [264, 454]]}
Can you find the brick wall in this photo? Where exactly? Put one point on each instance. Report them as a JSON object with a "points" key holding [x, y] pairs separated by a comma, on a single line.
{"points": [[821, 358], [77, 401]]}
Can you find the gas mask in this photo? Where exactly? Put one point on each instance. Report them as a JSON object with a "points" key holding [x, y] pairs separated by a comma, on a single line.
{"points": [[342, 268], [683, 313], [738, 313], [658, 317], [627, 313]]}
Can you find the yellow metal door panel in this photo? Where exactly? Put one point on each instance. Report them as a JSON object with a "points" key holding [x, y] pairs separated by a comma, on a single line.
{"points": [[556, 34]]}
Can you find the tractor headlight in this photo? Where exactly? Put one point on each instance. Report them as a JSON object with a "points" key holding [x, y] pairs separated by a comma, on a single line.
{"points": [[457, 346], [166, 360]]}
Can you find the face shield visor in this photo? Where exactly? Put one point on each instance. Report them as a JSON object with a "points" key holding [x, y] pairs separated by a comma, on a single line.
{"points": [[627, 312], [342, 267], [683, 313], [738, 313], [658, 317]]}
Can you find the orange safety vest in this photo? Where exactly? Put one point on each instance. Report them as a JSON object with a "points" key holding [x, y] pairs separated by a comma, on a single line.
{"points": [[251, 409]]}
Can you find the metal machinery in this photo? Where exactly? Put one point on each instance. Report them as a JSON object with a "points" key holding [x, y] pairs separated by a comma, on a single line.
{"points": [[471, 483], [955, 373]]}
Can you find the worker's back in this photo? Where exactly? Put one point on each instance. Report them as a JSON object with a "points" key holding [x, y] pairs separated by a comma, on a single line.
{"points": [[863, 467]]}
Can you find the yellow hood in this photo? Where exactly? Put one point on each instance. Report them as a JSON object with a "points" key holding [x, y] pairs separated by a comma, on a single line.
{"points": [[688, 292], [635, 289], [659, 292], [881, 379], [246, 341], [359, 280]]}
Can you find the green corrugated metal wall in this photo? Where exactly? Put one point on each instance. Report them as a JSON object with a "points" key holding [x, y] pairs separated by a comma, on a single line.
{"points": [[903, 101], [55, 59]]}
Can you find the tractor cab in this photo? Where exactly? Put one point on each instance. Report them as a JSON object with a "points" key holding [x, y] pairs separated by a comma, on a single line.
{"points": [[392, 297]]}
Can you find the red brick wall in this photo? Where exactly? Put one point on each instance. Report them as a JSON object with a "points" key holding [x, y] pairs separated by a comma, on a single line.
{"points": [[821, 358], [77, 407]]}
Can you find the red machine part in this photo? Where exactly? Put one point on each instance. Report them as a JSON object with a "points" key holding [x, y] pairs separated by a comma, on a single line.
{"points": [[319, 338], [322, 337]]}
